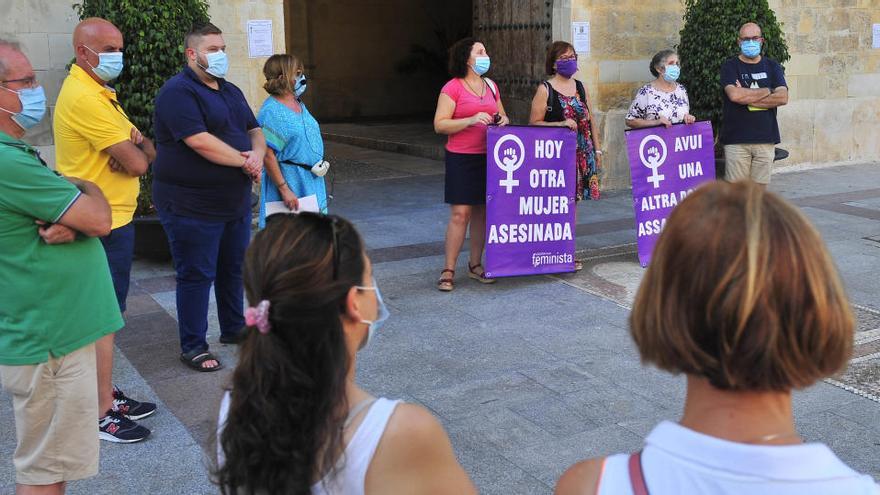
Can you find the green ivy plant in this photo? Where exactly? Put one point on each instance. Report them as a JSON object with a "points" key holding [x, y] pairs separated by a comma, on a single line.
{"points": [[153, 31], [709, 37]]}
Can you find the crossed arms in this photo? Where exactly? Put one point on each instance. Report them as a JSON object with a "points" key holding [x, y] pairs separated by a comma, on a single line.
{"points": [[757, 97]]}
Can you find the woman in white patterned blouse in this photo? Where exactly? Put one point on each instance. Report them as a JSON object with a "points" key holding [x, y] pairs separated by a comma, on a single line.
{"points": [[662, 101]]}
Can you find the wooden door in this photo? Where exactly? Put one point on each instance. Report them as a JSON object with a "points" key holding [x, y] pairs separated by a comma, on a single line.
{"points": [[517, 34]]}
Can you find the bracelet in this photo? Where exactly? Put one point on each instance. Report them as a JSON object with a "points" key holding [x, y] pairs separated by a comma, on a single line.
{"points": [[600, 152], [283, 184]]}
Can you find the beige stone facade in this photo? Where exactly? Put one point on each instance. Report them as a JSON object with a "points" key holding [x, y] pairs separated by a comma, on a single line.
{"points": [[44, 29], [834, 75]]}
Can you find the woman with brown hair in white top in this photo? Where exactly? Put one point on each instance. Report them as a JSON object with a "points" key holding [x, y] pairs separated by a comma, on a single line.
{"points": [[741, 297], [295, 422]]}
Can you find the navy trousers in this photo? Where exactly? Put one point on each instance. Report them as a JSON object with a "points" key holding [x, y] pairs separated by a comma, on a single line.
{"points": [[119, 247], [205, 253]]}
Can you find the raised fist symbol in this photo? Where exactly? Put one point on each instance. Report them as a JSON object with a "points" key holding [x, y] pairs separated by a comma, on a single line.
{"points": [[509, 158]]}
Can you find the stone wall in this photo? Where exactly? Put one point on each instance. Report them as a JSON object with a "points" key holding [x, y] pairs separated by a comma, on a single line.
{"points": [[833, 75], [44, 28]]}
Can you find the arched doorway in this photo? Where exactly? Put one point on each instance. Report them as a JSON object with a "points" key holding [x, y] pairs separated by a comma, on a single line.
{"points": [[373, 59]]}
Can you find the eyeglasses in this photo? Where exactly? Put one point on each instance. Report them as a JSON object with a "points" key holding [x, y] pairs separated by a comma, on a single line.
{"points": [[752, 38], [332, 221], [27, 82], [334, 228]]}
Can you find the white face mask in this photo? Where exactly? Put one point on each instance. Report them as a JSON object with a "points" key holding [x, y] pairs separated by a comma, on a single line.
{"points": [[382, 313]]}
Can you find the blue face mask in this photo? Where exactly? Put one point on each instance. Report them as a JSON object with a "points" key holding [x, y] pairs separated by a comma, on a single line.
{"points": [[299, 86], [672, 73], [750, 48], [481, 65], [218, 64], [33, 107], [110, 65], [382, 313]]}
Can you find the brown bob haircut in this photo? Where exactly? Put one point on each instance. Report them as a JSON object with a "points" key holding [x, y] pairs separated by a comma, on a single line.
{"points": [[554, 52], [280, 70], [742, 292]]}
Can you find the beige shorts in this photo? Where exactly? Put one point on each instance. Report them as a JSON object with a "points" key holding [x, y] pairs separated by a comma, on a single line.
{"points": [[56, 418], [749, 161]]}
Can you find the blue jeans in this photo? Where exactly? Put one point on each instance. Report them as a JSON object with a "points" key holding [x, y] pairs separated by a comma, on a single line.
{"points": [[119, 246], [207, 252]]}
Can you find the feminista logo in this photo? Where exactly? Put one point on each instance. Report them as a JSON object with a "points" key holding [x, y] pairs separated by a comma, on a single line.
{"points": [[546, 258]]}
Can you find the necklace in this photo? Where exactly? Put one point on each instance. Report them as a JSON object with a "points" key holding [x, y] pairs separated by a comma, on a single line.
{"points": [[474, 91], [774, 436]]}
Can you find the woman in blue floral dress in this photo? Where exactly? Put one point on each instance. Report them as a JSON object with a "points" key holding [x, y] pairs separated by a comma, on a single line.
{"points": [[293, 138]]}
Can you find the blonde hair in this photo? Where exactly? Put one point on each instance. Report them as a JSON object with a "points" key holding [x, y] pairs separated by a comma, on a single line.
{"points": [[741, 291], [279, 71]]}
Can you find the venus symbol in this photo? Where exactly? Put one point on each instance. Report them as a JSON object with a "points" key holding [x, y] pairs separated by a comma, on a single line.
{"points": [[511, 160], [653, 158]]}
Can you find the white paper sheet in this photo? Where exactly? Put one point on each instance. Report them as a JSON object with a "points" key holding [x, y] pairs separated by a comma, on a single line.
{"points": [[259, 34], [306, 203], [876, 32], [580, 35]]}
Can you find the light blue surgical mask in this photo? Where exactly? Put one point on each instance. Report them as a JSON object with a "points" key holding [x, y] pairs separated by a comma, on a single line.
{"points": [[299, 86], [382, 313], [672, 73], [110, 65], [218, 64], [481, 65], [750, 48], [33, 106]]}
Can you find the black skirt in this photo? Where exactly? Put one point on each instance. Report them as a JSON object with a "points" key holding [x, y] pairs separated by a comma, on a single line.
{"points": [[465, 179]]}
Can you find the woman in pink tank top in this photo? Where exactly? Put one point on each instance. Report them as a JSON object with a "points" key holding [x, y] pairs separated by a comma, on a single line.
{"points": [[295, 421], [741, 297], [468, 103]]}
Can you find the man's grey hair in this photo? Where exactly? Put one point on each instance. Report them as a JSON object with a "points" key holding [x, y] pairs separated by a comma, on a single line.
{"points": [[7, 44]]}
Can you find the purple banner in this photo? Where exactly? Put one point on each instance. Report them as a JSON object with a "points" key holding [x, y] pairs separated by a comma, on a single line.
{"points": [[530, 206], [666, 165]]}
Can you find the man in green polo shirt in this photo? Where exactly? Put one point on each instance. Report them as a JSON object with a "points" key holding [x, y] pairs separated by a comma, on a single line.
{"points": [[55, 300]]}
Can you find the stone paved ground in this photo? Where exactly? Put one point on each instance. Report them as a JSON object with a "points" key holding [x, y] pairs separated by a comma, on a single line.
{"points": [[528, 375]]}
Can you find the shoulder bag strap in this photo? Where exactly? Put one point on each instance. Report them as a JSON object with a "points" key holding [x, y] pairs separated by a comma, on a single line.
{"points": [[491, 85], [636, 475], [550, 92]]}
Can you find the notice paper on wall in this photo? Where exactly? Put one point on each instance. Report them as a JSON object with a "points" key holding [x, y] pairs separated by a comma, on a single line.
{"points": [[306, 203], [580, 35], [260, 38], [876, 31]]}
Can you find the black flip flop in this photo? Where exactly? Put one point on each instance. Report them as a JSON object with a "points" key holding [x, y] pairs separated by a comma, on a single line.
{"points": [[195, 359]]}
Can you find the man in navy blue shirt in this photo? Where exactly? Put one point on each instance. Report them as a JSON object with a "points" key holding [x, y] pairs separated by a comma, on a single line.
{"points": [[754, 86], [209, 150]]}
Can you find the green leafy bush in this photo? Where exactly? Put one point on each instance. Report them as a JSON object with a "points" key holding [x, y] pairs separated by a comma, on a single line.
{"points": [[709, 37], [153, 31]]}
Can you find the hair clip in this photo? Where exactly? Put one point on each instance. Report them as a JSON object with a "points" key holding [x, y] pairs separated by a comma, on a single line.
{"points": [[258, 317]]}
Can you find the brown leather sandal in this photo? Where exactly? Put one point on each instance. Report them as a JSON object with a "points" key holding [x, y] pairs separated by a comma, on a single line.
{"points": [[479, 277], [446, 284]]}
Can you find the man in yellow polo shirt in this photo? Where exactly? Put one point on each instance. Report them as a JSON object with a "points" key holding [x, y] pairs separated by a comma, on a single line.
{"points": [[95, 141]]}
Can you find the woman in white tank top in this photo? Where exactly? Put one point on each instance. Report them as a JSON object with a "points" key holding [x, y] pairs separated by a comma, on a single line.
{"points": [[294, 421], [742, 297]]}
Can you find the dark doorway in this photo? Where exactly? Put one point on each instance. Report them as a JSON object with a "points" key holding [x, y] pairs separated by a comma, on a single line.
{"points": [[374, 59]]}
